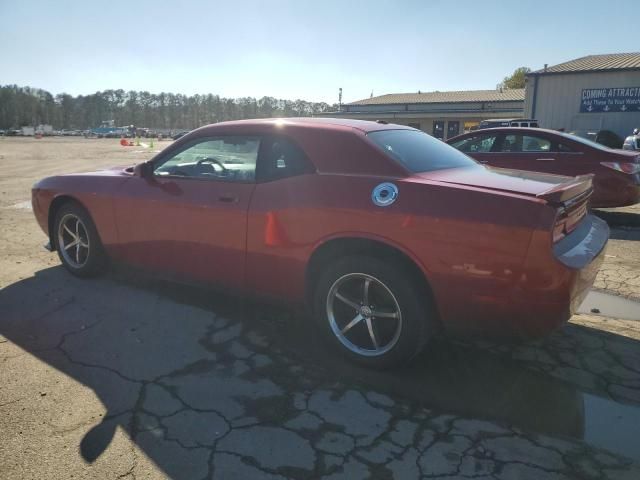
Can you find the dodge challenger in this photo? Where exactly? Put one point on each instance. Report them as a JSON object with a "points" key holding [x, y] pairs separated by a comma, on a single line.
{"points": [[386, 234]]}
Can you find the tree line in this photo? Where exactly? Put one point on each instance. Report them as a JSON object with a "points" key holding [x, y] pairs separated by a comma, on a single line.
{"points": [[24, 106]]}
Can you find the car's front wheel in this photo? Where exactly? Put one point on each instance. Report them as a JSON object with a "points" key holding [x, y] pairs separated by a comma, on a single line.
{"points": [[373, 311], [77, 241]]}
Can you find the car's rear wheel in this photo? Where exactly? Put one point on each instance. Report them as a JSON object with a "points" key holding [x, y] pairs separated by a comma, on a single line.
{"points": [[373, 311], [77, 241]]}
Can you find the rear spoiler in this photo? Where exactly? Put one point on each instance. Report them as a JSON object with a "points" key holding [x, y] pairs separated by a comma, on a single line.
{"points": [[580, 186]]}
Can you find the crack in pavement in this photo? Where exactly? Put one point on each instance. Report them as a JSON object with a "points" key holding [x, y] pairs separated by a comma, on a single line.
{"points": [[241, 396]]}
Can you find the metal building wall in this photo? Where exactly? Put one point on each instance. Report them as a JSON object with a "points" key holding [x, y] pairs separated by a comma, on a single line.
{"points": [[558, 101]]}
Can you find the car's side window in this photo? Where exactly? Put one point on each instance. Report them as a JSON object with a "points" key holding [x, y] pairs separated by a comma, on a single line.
{"points": [[535, 144], [476, 144], [511, 143], [564, 148], [280, 158], [229, 158], [525, 143]]}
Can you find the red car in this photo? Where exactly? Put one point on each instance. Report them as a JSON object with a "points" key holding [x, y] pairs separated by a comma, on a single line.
{"points": [[617, 172], [388, 234]]}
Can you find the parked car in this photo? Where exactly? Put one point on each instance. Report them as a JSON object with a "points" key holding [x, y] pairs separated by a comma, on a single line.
{"points": [[617, 172], [603, 137], [508, 122], [178, 135], [387, 234], [632, 142]]}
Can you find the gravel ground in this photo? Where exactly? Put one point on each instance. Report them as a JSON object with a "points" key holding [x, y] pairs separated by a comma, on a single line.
{"points": [[125, 376]]}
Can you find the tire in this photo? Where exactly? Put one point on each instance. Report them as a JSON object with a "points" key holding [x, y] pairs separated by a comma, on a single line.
{"points": [[390, 286], [86, 259]]}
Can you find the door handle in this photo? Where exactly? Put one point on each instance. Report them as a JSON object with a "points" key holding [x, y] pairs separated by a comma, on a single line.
{"points": [[483, 161], [545, 159], [228, 198]]}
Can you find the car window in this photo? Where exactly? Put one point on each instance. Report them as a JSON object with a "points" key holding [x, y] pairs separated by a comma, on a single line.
{"points": [[564, 148], [535, 144], [575, 137], [228, 158], [476, 144], [525, 143], [419, 152], [280, 158]]}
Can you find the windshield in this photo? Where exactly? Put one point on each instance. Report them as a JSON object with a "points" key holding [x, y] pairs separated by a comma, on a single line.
{"points": [[585, 141], [418, 151]]}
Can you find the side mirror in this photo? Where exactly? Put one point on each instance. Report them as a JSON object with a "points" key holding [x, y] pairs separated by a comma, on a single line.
{"points": [[142, 170]]}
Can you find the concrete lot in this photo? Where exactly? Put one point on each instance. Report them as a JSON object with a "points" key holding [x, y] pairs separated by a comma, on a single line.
{"points": [[126, 376]]}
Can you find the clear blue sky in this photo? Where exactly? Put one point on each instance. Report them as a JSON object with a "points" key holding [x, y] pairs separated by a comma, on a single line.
{"points": [[299, 49]]}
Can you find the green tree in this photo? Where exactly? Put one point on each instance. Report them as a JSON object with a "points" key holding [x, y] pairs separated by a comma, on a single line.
{"points": [[516, 79], [21, 106]]}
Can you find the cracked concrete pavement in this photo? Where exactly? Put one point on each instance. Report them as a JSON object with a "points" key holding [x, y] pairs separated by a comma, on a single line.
{"points": [[130, 377]]}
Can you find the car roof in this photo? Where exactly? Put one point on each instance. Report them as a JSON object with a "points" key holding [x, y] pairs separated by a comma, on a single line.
{"points": [[484, 131], [332, 144], [313, 122]]}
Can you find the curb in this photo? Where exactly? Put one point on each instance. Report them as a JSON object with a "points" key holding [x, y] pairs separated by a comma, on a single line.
{"points": [[618, 219]]}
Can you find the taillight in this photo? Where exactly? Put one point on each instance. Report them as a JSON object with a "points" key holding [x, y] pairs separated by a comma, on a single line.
{"points": [[624, 167], [567, 219], [559, 228]]}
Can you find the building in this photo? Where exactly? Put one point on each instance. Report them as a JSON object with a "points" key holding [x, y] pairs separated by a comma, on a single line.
{"points": [[44, 129], [442, 114], [588, 94]]}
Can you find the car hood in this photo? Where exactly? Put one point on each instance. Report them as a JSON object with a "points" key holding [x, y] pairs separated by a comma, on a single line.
{"points": [[108, 171], [503, 179]]}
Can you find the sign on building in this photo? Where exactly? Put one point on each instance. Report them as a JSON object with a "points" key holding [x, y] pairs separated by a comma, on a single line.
{"points": [[619, 99]]}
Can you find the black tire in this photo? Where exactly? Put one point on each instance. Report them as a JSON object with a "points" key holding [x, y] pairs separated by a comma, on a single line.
{"points": [[93, 259], [417, 315]]}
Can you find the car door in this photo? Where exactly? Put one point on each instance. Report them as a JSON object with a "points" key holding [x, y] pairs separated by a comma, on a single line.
{"points": [[526, 151], [279, 216], [187, 216]]}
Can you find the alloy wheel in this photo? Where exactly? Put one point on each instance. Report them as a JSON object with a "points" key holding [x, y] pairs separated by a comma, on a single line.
{"points": [[73, 240], [364, 314]]}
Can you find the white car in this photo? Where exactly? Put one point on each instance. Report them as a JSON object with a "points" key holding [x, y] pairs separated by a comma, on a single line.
{"points": [[632, 142]]}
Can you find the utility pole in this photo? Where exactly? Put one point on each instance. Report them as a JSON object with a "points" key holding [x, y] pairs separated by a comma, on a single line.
{"points": [[340, 98]]}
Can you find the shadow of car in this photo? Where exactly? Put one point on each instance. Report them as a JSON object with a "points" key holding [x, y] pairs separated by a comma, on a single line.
{"points": [[206, 386]]}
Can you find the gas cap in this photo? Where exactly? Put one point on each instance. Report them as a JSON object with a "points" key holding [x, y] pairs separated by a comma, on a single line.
{"points": [[384, 194]]}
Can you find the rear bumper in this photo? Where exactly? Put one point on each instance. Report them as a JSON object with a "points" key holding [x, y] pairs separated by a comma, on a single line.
{"points": [[617, 195], [552, 285], [579, 257], [583, 252]]}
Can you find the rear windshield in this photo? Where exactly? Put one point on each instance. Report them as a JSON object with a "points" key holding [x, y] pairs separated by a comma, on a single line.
{"points": [[585, 141], [419, 152]]}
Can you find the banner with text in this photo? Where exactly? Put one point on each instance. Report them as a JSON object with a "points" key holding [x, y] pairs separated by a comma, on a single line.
{"points": [[619, 99]]}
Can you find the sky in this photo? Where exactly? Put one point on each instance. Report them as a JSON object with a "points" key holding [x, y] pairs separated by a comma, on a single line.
{"points": [[299, 49]]}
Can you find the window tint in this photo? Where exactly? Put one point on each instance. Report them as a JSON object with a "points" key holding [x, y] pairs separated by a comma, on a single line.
{"points": [[525, 143], [280, 158], [476, 144], [419, 152], [229, 158], [535, 144], [563, 148], [584, 141]]}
